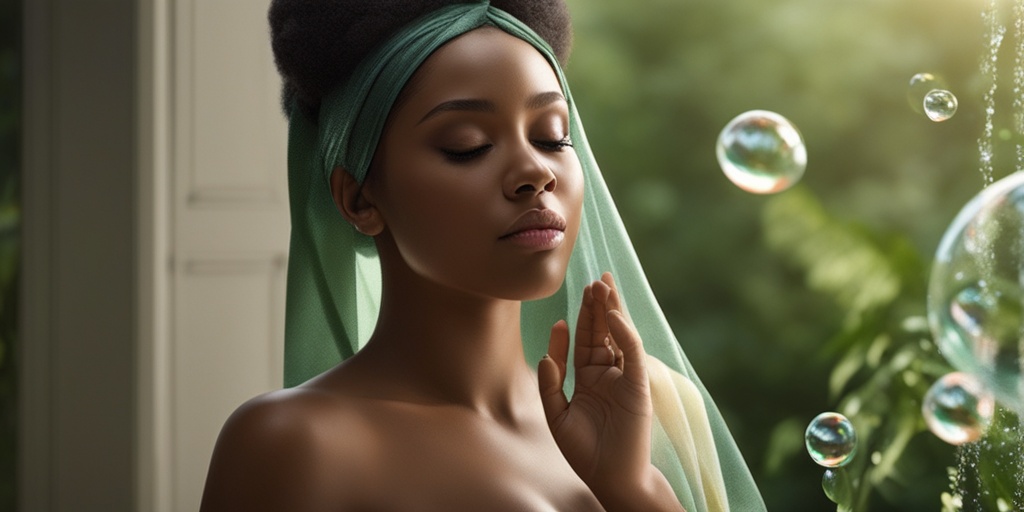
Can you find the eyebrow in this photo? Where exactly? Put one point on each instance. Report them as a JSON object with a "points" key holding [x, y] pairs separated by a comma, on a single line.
{"points": [[472, 105]]}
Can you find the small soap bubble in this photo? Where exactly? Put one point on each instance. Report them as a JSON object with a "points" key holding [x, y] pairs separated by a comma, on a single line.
{"points": [[939, 105], [761, 152], [830, 440], [975, 292], [958, 409], [836, 484], [920, 85]]}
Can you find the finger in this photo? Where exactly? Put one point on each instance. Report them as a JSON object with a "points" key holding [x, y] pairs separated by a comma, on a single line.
{"points": [[614, 300], [585, 319], [609, 280], [615, 303], [601, 292], [608, 300], [634, 361], [558, 346], [551, 372], [591, 347]]}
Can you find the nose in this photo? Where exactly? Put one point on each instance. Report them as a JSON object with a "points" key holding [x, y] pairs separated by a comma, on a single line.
{"points": [[528, 176]]}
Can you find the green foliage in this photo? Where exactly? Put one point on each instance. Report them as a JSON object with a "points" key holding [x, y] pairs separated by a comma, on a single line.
{"points": [[811, 300], [884, 358], [885, 362]]}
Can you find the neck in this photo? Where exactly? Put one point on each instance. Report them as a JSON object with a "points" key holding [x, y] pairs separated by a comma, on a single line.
{"points": [[442, 345]]}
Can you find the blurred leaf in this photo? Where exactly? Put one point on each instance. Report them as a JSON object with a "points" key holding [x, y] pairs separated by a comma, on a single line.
{"points": [[848, 366], [787, 440], [838, 260]]}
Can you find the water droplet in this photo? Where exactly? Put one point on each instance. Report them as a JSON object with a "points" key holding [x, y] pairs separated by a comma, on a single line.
{"points": [[975, 294], [761, 152], [958, 409], [831, 440], [920, 85], [837, 486], [939, 105]]}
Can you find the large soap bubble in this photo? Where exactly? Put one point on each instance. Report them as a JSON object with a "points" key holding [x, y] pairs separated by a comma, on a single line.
{"points": [[831, 440], [761, 152], [975, 298], [958, 409]]}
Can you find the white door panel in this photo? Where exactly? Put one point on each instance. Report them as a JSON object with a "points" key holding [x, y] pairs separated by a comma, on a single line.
{"points": [[229, 234]]}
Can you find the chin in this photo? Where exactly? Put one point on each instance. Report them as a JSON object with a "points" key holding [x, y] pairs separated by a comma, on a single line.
{"points": [[544, 280], [536, 285]]}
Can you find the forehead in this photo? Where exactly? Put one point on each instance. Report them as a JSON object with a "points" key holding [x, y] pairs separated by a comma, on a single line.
{"points": [[483, 63]]}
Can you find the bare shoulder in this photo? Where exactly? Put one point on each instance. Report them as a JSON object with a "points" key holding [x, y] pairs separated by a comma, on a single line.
{"points": [[294, 449]]}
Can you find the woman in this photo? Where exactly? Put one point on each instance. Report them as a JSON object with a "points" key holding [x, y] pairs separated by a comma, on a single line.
{"points": [[473, 220]]}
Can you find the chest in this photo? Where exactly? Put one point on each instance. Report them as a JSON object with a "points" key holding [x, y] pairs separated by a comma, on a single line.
{"points": [[463, 465]]}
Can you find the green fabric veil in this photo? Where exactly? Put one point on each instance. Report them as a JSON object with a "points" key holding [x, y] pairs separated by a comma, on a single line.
{"points": [[334, 277]]}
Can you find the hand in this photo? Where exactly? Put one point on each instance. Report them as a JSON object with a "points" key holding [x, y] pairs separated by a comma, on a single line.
{"points": [[605, 431]]}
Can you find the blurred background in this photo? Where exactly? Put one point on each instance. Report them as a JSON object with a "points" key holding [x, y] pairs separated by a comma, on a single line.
{"points": [[813, 299], [10, 151], [787, 305]]}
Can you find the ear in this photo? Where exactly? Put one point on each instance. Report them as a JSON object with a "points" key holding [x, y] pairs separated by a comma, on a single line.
{"points": [[355, 203]]}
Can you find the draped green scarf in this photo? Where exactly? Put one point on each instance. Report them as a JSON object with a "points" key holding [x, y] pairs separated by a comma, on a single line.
{"points": [[334, 276]]}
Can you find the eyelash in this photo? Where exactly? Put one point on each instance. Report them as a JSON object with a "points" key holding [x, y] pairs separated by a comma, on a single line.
{"points": [[556, 145], [465, 156]]}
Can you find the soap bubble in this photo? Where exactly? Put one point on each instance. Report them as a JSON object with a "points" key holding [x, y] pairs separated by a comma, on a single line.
{"points": [[975, 295], [958, 409], [836, 484], [761, 152], [920, 85], [939, 105], [830, 439]]}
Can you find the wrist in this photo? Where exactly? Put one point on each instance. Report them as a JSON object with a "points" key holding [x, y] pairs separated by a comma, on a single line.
{"points": [[650, 491]]}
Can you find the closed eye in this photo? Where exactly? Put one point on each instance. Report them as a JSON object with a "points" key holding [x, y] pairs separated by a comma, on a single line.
{"points": [[554, 145], [465, 155]]}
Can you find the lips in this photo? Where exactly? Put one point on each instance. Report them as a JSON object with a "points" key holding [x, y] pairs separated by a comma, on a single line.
{"points": [[537, 220]]}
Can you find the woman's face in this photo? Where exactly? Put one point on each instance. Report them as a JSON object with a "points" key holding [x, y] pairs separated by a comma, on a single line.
{"points": [[474, 177]]}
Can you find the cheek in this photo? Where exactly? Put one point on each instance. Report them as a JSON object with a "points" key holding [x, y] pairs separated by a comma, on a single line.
{"points": [[574, 195], [438, 226]]}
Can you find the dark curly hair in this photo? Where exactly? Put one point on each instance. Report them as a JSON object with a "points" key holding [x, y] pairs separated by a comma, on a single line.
{"points": [[318, 43]]}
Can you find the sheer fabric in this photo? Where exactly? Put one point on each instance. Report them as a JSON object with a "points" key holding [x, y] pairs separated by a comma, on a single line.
{"points": [[334, 277]]}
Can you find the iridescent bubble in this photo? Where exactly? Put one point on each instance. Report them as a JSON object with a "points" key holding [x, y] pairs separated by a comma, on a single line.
{"points": [[830, 440], [836, 484], [975, 293], [939, 105], [761, 152], [958, 409], [920, 85]]}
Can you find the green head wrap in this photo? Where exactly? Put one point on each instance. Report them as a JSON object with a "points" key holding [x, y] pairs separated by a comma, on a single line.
{"points": [[334, 277]]}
